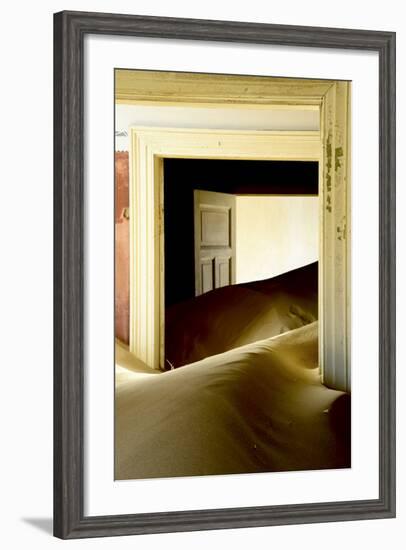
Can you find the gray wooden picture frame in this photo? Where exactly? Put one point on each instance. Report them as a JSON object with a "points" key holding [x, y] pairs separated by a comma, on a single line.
{"points": [[70, 29]]}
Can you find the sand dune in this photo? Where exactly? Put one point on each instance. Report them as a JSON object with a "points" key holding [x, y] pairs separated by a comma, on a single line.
{"points": [[257, 408], [247, 396], [232, 316]]}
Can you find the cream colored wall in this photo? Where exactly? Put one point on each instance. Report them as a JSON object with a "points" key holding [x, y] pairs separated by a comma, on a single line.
{"points": [[275, 234], [230, 118]]}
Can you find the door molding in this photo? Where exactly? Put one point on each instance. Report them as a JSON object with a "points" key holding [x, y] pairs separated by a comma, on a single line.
{"points": [[149, 146], [185, 88]]}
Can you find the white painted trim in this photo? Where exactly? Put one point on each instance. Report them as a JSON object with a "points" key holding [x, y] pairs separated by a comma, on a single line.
{"points": [[148, 146], [334, 269]]}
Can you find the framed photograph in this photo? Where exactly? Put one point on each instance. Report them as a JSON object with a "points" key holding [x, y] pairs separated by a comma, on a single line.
{"points": [[224, 268]]}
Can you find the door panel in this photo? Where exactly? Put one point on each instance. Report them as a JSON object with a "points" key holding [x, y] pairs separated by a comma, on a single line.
{"points": [[214, 215], [215, 226], [223, 272], [206, 270]]}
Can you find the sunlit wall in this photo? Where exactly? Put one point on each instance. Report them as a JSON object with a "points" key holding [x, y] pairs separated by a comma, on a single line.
{"points": [[275, 234]]}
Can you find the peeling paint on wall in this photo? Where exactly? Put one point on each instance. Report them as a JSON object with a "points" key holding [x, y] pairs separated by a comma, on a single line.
{"points": [[329, 164], [342, 230], [338, 157], [329, 155]]}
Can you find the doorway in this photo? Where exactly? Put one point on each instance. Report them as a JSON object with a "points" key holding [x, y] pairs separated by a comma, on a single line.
{"points": [[148, 149], [233, 222]]}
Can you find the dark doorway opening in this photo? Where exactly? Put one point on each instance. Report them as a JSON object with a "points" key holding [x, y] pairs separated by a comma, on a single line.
{"points": [[238, 177]]}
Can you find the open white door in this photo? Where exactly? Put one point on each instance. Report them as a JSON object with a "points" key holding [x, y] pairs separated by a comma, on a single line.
{"points": [[214, 217]]}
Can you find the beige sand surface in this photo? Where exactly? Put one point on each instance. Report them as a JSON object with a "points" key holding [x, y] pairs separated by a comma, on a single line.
{"points": [[239, 314], [257, 408]]}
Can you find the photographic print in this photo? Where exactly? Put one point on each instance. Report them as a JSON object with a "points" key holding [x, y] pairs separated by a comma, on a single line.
{"points": [[224, 269], [232, 242]]}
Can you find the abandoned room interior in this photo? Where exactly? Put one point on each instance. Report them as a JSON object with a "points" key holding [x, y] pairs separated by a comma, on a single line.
{"points": [[231, 284]]}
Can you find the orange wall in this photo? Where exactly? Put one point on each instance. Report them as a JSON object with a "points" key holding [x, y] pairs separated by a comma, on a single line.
{"points": [[122, 272]]}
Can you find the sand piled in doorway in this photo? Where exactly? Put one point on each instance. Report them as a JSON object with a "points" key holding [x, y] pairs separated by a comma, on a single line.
{"points": [[258, 408], [236, 315]]}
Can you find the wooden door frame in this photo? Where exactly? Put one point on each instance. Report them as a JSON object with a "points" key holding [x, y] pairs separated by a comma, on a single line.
{"points": [[330, 146]]}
